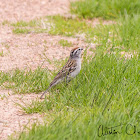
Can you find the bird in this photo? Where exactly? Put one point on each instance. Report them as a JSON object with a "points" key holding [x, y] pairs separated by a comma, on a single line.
{"points": [[69, 70]]}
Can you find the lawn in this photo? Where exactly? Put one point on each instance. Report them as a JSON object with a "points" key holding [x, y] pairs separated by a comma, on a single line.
{"points": [[105, 94]]}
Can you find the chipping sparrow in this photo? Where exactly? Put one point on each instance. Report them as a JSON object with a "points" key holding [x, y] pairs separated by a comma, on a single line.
{"points": [[70, 70]]}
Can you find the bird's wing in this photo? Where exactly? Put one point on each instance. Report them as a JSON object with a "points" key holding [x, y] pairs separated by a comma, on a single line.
{"points": [[66, 70]]}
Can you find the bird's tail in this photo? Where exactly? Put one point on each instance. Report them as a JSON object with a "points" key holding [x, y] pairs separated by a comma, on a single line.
{"points": [[44, 93]]}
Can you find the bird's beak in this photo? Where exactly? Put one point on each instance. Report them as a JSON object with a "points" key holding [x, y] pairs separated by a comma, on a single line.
{"points": [[81, 48]]}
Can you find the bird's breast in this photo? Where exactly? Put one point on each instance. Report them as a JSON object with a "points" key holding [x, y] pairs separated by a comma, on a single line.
{"points": [[78, 68]]}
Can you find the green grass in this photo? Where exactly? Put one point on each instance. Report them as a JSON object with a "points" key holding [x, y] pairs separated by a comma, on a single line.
{"points": [[21, 31], [65, 43], [105, 92], [55, 25], [67, 26], [123, 35], [23, 27], [21, 81], [32, 23], [36, 107], [108, 9], [129, 33], [81, 125], [1, 54]]}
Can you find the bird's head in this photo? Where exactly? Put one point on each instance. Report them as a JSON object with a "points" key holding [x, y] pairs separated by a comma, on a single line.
{"points": [[76, 52]]}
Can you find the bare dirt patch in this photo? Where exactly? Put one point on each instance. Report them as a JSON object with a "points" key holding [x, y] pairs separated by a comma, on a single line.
{"points": [[97, 21], [14, 10], [32, 50], [21, 51], [11, 117]]}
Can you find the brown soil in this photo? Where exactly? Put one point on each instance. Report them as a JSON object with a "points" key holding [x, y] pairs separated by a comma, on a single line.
{"points": [[13, 10], [33, 50], [11, 118]]}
